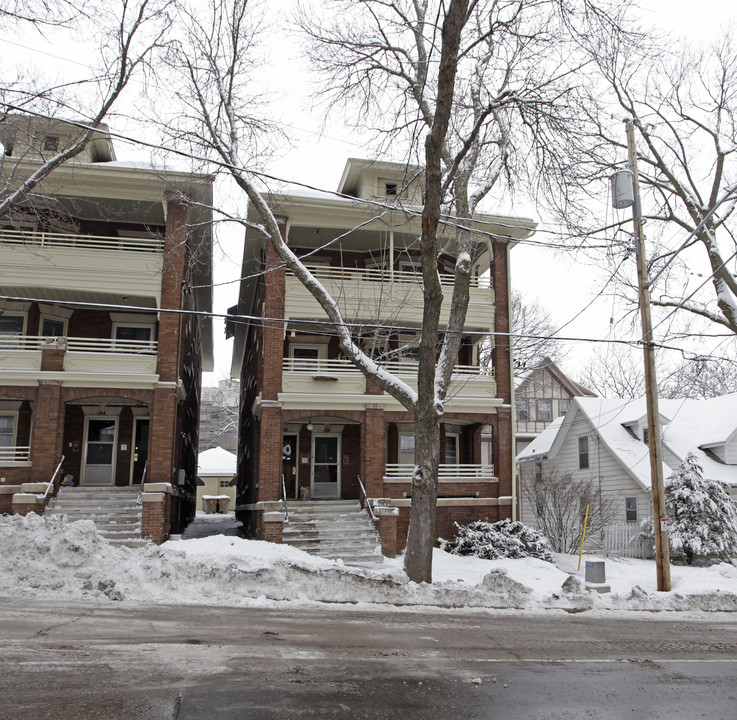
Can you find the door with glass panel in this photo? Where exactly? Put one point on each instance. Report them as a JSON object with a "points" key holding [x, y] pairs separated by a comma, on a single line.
{"points": [[99, 452], [326, 466]]}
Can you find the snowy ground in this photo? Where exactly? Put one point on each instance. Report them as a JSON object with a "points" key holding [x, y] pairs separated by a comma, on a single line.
{"points": [[51, 558]]}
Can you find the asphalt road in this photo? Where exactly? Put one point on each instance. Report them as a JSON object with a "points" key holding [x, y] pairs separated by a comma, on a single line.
{"points": [[121, 662]]}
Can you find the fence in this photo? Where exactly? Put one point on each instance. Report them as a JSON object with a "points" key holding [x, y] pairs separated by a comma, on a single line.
{"points": [[623, 540]]}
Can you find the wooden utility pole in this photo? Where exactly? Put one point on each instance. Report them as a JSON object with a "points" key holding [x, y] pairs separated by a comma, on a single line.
{"points": [[660, 521]]}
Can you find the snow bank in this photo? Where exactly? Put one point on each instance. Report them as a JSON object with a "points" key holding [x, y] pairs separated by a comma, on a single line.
{"points": [[53, 558]]}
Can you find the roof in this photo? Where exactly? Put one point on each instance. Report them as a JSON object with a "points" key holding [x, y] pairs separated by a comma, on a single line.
{"points": [[547, 365], [688, 426], [216, 462]]}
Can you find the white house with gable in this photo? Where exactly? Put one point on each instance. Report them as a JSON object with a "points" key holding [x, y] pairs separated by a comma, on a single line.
{"points": [[606, 441]]}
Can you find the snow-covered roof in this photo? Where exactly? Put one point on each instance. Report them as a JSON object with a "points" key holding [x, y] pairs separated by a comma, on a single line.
{"points": [[687, 426], [216, 462], [541, 444]]}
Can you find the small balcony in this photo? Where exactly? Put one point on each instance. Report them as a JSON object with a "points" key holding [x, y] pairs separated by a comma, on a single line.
{"points": [[472, 387], [15, 453], [366, 294], [471, 480], [24, 353]]}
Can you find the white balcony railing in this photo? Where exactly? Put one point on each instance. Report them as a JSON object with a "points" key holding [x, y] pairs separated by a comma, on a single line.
{"points": [[381, 275], [79, 345], [91, 242], [15, 453], [403, 471], [315, 366]]}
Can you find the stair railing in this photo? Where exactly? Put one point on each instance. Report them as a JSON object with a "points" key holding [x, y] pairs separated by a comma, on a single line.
{"points": [[284, 493], [50, 485], [368, 504], [143, 480]]}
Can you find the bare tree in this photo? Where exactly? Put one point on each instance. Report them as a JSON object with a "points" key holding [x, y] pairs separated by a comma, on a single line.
{"points": [[559, 503], [683, 103], [130, 31], [533, 334]]}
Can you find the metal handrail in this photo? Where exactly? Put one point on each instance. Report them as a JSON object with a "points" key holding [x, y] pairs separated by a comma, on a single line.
{"points": [[284, 493], [365, 495], [143, 480], [50, 485]]}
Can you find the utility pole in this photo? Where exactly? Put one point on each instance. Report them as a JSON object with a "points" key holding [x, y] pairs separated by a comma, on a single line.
{"points": [[660, 520]]}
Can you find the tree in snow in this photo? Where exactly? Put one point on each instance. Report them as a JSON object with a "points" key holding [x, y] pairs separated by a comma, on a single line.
{"points": [[559, 502], [503, 539], [702, 519]]}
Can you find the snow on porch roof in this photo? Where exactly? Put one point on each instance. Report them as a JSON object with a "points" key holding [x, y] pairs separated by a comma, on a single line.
{"points": [[216, 462]]}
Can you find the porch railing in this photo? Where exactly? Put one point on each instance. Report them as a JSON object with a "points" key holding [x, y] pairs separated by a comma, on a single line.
{"points": [[50, 485], [88, 242], [384, 275], [15, 453], [81, 345], [284, 495], [365, 497], [315, 366], [403, 471]]}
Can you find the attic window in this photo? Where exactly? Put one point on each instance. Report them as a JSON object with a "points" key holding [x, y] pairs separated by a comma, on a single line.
{"points": [[51, 143], [390, 188]]}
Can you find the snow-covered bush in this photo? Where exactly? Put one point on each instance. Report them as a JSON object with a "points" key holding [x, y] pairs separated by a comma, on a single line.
{"points": [[702, 519], [503, 539]]}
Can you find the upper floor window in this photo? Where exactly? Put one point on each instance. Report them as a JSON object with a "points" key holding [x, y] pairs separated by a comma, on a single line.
{"points": [[12, 324], [563, 406], [406, 448], [305, 357], [646, 436], [390, 188], [451, 448], [583, 452], [7, 429], [53, 327], [51, 143], [144, 333], [523, 413], [630, 509], [544, 412]]}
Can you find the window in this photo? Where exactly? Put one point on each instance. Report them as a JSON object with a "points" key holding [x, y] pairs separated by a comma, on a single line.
{"points": [[390, 188], [12, 324], [645, 436], [51, 143], [563, 406], [305, 357], [523, 412], [583, 452], [7, 430], [126, 333], [538, 472], [543, 410], [630, 509], [53, 327], [451, 448], [406, 448]]}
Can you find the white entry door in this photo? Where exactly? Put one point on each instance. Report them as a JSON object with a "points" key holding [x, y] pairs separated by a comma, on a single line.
{"points": [[326, 466], [99, 452]]}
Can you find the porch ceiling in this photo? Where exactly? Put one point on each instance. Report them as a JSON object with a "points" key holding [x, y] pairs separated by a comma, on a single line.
{"points": [[60, 295]]}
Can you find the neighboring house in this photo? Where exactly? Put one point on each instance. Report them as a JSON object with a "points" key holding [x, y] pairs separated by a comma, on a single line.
{"points": [[606, 441], [216, 470], [101, 370], [309, 415], [219, 416], [543, 395]]}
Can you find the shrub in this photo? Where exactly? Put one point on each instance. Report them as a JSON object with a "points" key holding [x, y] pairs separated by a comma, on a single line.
{"points": [[503, 539]]}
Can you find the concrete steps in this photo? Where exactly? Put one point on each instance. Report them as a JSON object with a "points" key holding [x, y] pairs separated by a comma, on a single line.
{"points": [[333, 529], [113, 510]]}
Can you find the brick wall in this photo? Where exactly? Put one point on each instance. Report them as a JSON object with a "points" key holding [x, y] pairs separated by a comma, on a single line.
{"points": [[46, 450]]}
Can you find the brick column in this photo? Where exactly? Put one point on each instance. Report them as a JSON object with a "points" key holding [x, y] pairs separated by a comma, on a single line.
{"points": [[48, 431], [155, 516], [273, 524], [373, 443], [270, 455], [273, 333], [52, 355], [162, 446], [502, 448], [501, 355], [388, 520]]}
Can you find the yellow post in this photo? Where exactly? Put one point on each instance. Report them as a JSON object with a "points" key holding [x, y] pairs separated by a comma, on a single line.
{"points": [[583, 539]]}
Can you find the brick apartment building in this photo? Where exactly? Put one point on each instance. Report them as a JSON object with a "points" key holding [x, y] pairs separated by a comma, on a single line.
{"points": [[96, 375], [309, 416]]}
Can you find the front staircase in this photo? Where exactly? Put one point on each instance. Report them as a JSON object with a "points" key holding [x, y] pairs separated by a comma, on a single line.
{"points": [[333, 529], [114, 511]]}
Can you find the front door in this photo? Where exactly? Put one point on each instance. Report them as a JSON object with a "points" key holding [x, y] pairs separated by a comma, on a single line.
{"points": [[289, 464], [99, 454], [140, 449], [325, 466]]}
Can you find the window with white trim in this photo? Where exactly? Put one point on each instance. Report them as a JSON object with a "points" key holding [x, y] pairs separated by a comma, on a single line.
{"points": [[543, 410], [630, 509], [305, 357], [583, 452], [8, 428], [452, 441]]}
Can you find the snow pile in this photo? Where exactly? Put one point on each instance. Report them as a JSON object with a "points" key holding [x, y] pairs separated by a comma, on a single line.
{"points": [[53, 558]]}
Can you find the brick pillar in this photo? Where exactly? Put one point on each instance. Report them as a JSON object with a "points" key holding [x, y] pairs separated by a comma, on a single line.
{"points": [[171, 289], [273, 334], [270, 455], [501, 355], [48, 431], [273, 524], [155, 516], [52, 356], [163, 446], [373, 444], [502, 448], [388, 520]]}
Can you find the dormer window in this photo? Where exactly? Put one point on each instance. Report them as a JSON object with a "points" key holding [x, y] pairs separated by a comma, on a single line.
{"points": [[51, 143], [390, 188]]}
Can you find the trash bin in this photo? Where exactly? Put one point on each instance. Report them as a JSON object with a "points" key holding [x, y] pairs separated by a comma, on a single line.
{"points": [[595, 572]]}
